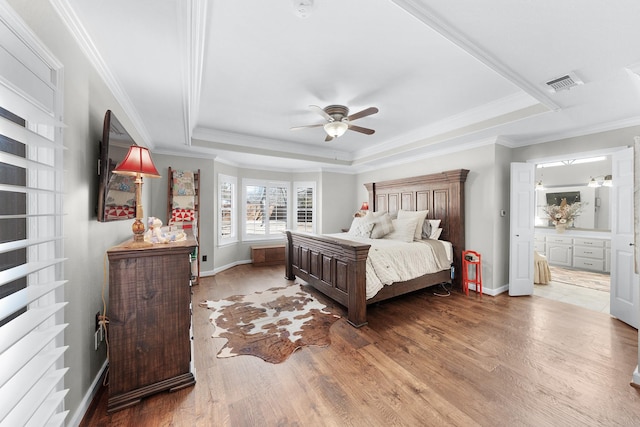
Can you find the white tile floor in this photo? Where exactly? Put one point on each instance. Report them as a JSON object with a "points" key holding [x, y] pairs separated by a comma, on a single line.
{"points": [[576, 295]]}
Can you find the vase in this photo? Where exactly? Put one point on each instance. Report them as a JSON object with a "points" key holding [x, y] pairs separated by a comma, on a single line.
{"points": [[560, 228]]}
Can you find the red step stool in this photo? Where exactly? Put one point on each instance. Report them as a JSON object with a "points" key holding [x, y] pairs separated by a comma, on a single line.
{"points": [[472, 260]]}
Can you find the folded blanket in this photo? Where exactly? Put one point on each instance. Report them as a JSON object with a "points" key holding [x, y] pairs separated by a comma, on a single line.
{"points": [[184, 202], [183, 183]]}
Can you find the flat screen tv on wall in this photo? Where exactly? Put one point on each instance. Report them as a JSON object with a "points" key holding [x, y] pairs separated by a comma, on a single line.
{"points": [[116, 193]]}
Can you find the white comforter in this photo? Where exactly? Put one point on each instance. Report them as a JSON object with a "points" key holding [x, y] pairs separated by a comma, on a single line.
{"points": [[392, 261]]}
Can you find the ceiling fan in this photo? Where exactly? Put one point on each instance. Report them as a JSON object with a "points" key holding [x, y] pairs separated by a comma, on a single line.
{"points": [[339, 120]]}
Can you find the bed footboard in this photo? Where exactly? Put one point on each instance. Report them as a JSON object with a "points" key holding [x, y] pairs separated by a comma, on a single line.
{"points": [[335, 267]]}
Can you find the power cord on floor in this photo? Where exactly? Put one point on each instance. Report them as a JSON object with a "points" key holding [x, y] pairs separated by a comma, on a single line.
{"points": [[447, 293], [103, 319]]}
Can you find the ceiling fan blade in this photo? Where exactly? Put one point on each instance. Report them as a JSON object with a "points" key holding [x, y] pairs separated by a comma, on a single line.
{"points": [[361, 129], [321, 112], [364, 113], [306, 126], [328, 138]]}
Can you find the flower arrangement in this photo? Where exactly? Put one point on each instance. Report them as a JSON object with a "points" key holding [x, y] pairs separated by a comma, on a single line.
{"points": [[562, 214]]}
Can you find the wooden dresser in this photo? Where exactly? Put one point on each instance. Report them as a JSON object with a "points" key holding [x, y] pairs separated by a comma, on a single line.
{"points": [[150, 346]]}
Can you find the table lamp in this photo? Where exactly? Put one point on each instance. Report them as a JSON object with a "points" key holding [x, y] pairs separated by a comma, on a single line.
{"points": [[138, 163]]}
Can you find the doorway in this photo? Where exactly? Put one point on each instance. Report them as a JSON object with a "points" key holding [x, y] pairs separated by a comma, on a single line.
{"points": [[579, 260], [578, 287]]}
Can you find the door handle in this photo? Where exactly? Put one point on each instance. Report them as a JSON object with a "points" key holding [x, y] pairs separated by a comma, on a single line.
{"points": [[630, 244]]}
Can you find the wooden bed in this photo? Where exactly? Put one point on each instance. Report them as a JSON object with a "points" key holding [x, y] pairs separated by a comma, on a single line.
{"points": [[337, 267]]}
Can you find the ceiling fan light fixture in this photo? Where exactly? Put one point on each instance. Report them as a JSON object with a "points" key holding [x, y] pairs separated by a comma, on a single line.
{"points": [[336, 129]]}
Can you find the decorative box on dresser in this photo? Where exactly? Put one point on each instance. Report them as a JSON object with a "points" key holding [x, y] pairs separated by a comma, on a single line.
{"points": [[150, 345]]}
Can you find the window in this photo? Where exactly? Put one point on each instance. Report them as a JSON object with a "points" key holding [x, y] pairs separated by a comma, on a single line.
{"points": [[265, 209], [31, 246], [305, 205], [227, 209]]}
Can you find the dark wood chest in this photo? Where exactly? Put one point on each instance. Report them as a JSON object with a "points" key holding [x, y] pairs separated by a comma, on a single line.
{"points": [[150, 346]]}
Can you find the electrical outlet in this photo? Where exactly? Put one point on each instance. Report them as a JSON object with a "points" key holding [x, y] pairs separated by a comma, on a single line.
{"points": [[96, 341], [204, 258], [97, 321]]}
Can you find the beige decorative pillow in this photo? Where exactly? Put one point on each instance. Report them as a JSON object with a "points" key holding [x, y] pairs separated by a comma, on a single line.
{"points": [[360, 227], [403, 230], [382, 226], [419, 216]]}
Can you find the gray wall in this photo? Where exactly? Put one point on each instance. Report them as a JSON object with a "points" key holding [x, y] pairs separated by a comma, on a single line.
{"points": [[338, 200]]}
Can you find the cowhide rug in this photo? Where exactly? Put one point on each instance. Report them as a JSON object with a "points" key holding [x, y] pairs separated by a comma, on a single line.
{"points": [[271, 324]]}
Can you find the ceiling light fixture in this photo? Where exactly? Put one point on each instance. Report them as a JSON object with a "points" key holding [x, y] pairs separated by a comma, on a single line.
{"points": [[336, 129]]}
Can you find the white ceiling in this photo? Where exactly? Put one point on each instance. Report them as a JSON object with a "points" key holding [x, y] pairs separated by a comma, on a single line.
{"points": [[227, 79]]}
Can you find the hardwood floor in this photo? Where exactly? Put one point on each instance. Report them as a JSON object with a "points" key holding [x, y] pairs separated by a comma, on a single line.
{"points": [[423, 360]]}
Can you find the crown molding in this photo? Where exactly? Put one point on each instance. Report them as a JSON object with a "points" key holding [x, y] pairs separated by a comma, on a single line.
{"points": [[192, 30], [216, 137], [599, 128]]}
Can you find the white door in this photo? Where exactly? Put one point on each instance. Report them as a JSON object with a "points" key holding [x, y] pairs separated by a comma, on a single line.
{"points": [[625, 301], [521, 228]]}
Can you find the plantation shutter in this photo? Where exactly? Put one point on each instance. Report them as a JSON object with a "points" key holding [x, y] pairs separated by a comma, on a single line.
{"points": [[31, 247]]}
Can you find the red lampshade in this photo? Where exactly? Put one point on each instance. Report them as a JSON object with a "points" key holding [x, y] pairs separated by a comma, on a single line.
{"points": [[365, 206], [137, 161]]}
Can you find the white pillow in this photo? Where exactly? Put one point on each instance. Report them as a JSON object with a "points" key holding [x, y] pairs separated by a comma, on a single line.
{"points": [[419, 216], [403, 230], [435, 233], [360, 227], [382, 226], [373, 215]]}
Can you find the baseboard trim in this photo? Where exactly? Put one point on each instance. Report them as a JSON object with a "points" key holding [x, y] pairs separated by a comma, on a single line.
{"points": [[86, 401], [490, 292], [224, 267]]}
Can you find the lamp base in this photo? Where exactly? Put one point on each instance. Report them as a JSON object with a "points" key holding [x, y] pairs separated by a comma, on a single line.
{"points": [[138, 235]]}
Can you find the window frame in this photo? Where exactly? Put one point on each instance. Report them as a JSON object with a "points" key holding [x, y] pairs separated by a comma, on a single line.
{"points": [[267, 183], [296, 186], [233, 235]]}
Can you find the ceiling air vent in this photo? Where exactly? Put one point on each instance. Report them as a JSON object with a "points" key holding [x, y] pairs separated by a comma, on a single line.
{"points": [[565, 82]]}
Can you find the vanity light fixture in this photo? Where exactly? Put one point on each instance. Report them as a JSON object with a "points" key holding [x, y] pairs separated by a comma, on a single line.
{"points": [[138, 163], [539, 186], [601, 181]]}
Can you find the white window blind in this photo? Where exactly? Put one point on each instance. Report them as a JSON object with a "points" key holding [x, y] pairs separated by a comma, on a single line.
{"points": [[305, 206], [227, 209], [31, 249], [266, 208]]}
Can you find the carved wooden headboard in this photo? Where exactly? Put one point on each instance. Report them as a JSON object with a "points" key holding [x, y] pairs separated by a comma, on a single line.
{"points": [[442, 194]]}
